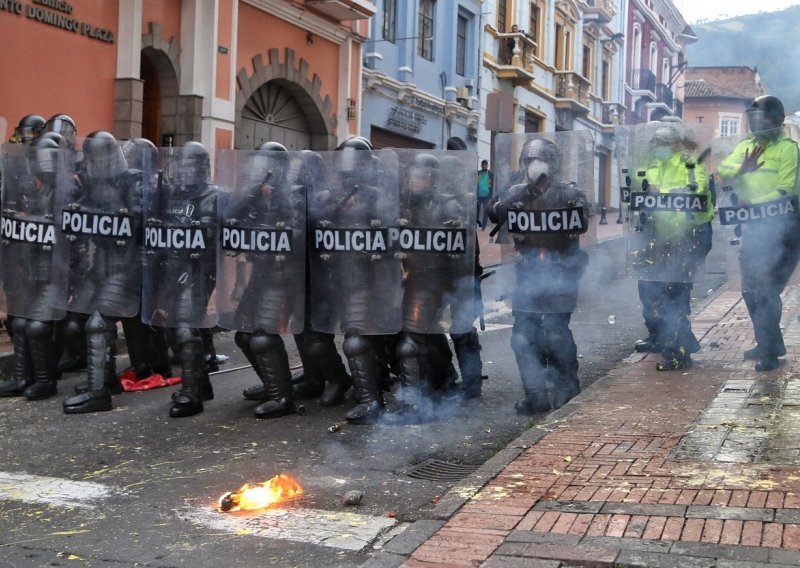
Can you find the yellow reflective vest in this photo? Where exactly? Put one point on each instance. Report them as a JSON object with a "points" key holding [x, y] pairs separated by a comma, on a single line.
{"points": [[775, 179]]}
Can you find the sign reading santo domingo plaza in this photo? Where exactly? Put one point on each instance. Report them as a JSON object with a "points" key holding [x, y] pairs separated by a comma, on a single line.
{"points": [[57, 14]]}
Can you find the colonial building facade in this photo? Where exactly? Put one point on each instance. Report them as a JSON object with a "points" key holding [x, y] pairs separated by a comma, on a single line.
{"points": [[229, 73]]}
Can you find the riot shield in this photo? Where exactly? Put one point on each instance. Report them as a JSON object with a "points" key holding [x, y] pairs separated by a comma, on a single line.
{"points": [[355, 277], [100, 231], [545, 208], [27, 245], [180, 216], [671, 206], [261, 262], [757, 206], [435, 238]]}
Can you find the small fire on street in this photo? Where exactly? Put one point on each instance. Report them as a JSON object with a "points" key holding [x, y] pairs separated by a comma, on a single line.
{"points": [[253, 497]]}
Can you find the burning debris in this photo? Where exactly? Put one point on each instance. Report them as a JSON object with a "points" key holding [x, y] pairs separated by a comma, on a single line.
{"points": [[249, 497]]}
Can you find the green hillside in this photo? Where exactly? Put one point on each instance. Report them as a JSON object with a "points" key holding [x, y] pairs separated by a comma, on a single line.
{"points": [[763, 41]]}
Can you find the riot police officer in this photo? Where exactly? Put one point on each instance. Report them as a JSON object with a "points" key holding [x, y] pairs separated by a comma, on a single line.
{"points": [[671, 244], [324, 374], [354, 290], [29, 284], [548, 266], [762, 169], [28, 129], [431, 207], [103, 223], [266, 300], [180, 266]]}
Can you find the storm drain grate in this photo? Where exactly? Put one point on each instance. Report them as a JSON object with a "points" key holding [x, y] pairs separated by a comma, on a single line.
{"points": [[437, 470]]}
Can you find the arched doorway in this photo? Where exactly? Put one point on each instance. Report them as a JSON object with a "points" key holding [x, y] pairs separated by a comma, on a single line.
{"points": [[275, 113], [160, 98]]}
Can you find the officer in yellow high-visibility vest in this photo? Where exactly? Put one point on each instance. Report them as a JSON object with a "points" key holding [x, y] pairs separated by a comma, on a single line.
{"points": [[680, 241], [764, 168]]}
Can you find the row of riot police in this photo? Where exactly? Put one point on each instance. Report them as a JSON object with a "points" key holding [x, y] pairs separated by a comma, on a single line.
{"points": [[378, 246]]}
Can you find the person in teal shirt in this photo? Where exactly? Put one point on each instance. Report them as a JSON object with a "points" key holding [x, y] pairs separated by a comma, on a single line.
{"points": [[485, 179]]}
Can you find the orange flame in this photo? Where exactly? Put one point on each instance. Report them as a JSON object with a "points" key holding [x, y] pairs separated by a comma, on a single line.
{"points": [[249, 497]]}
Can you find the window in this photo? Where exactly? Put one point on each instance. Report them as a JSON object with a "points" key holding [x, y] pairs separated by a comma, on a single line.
{"points": [[502, 12], [389, 19], [533, 26], [425, 39], [461, 44], [588, 62], [559, 46], [605, 81], [728, 124], [564, 48]]}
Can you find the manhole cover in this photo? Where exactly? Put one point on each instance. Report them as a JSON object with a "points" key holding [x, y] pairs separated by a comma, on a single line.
{"points": [[437, 470]]}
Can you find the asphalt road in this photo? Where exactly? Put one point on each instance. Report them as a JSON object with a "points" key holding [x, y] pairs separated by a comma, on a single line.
{"points": [[132, 487]]}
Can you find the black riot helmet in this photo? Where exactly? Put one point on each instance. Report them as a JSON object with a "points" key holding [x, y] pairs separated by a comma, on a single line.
{"points": [[423, 175], [356, 143], [765, 116], [192, 165], [43, 160], [269, 164], [140, 154], [541, 149], [63, 124], [55, 137], [102, 156], [30, 127]]}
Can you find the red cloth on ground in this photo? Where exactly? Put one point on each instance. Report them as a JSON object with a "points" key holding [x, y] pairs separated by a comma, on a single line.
{"points": [[130, 383]]}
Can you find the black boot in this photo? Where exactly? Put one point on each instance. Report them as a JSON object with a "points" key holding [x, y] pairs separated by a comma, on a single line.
{"points": [[531, 367], [363, 368], [73, 356], [415, 408], [22, 370], [273, 367], [101, 336], [41, 341], [307, 385], [566, 386], [468, 354], [188, 400]]}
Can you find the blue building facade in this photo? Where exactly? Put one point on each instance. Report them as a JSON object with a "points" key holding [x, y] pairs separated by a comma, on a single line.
{"points": [[421, 74]]}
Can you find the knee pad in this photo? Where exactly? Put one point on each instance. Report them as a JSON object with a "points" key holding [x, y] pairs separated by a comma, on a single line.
{"points": [[265, 342], [355, 345], [408, 348], [242, 340], [19, 326], [73, 328], [97, 324], [38, 329], [317, 345]]}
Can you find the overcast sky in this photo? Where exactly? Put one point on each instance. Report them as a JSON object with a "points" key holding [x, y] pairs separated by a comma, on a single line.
{"points": [[694, 10]]}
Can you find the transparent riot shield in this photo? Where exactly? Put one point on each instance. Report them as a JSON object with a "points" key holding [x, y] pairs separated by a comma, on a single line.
{"points": [[757, 204], [545, 204], [261, 262], [27, 244], [435, 238], [623, 156], [355, 277], [671, 207], [100, 230], [179, 275]]}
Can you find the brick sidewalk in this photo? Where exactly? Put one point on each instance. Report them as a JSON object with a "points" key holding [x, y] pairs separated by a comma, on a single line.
{"points": [[697, 468]]}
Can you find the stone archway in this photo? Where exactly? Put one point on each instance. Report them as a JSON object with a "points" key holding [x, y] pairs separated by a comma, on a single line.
{"points": [[281, 99], [168, 118]]}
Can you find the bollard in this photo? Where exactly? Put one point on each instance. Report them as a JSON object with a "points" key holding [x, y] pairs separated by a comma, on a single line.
{"points": [[603, 220]]}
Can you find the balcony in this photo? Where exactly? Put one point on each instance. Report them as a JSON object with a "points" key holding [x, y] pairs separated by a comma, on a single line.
{"points": [[572, 91], [664, 95], [344, 10], [599, 11], [643, 80], [516, 54], [613, 113]]}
